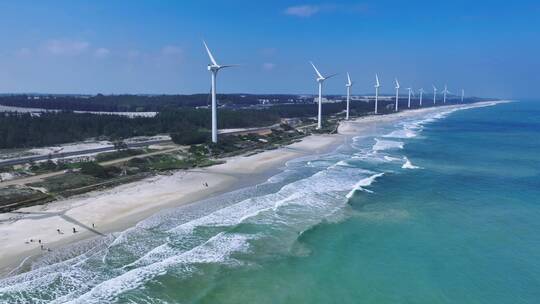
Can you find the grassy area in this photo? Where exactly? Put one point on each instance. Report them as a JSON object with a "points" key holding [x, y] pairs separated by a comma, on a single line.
{"points": [[166, 162], [60, 183], [12, 198], [102, 157], [90, 175]]}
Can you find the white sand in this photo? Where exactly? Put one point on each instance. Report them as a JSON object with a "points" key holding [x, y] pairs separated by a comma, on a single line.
{"points": [[123, 206]]}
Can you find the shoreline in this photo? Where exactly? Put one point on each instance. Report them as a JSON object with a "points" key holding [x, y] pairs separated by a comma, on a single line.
{"points": [[142, 199]]}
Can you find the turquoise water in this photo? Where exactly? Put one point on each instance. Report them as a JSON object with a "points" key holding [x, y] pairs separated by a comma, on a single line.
{"points": [[442, 208]]}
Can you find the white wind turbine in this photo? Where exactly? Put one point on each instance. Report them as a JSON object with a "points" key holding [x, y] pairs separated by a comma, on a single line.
{"points": [[377, 86], [445, 91], [409, 102], [462, 95], [348, 85], [434, 95], [397, 94], [213, 67], [320, 79], [421, 95]]}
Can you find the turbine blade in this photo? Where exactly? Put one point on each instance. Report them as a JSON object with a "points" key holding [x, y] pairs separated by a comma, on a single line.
{"points": [[210, 54], [349, 79], [229, 66], [330, 76], [377, 80], [316, 71]]}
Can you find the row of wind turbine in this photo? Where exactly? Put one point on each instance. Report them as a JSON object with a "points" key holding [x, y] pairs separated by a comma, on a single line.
{"points": [[214, 68]]}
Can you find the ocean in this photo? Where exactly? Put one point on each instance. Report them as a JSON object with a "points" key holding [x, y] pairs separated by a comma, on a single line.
{"points": [[440, 208]]}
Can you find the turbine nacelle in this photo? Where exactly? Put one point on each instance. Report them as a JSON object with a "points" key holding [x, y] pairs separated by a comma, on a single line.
{"points": [[445, 91], [320, 78], [213, 66]]}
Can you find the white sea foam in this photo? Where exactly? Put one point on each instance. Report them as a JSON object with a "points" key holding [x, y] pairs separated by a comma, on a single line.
{"points": [[382, 145], [390, 158], [363, 183], [408, 165], [403, 133]]}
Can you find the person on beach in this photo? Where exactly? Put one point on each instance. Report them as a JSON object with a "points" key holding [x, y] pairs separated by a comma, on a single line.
{"points": [[74, 230], [93, 226]]}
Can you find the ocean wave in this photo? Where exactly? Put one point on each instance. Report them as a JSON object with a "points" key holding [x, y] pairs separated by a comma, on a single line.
{"points": [[128, 260], [408, 165], [382, 145], [403, 133], [363, 183]]}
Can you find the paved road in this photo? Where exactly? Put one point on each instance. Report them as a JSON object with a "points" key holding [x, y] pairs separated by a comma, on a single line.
{"points": [[41, 177], [25, 160]]}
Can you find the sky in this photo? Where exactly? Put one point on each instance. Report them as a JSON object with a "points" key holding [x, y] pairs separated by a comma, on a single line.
{"points": [[488, 48]]}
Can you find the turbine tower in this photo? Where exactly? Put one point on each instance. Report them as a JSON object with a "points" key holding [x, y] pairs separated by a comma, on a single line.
{"points": [[462, 95], [377, 86], [445, 92], [397, 94], [348, 85], [434, 95], [213, 67], [320, 79], [421, 95], [409, 102]]}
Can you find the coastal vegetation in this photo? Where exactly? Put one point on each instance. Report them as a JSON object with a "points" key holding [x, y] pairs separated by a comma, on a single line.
{"points": [[19, 130], [178, 115]]}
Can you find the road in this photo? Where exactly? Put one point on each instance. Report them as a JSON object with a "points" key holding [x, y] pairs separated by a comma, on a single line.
{"points": [[40, 177], [29, 159]]}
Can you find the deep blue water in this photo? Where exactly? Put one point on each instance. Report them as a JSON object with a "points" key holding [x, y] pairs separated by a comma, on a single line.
{"points": [[434, 209]]}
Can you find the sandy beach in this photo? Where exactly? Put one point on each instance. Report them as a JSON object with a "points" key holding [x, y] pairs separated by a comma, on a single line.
{"points": [[97, 213]]}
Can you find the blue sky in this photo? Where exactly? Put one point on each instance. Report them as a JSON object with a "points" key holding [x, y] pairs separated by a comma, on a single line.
{"points": [[490, 48]]}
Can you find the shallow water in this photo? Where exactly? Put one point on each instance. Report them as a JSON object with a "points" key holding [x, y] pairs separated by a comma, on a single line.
{"points": [[436, 209]]}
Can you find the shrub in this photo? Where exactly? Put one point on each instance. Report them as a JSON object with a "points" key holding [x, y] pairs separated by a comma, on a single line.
{"points": [[193, 137], [94, 169]]}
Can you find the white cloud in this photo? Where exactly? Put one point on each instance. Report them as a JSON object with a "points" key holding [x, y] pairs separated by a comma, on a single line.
{"points": [[309, 10], [302, 10], [268, 66], [269, 51], [102, 52], [171, 50], [66, 47], [133, 54], [23, 52]]}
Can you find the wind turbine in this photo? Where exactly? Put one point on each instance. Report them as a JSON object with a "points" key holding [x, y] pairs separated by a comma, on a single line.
{"points": [[434, 95], [445, 92], [397, 94], [410, 92], [421, 95], [348, 85], [462, 95], [377, 86], [214, 67], [320, 79]]}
